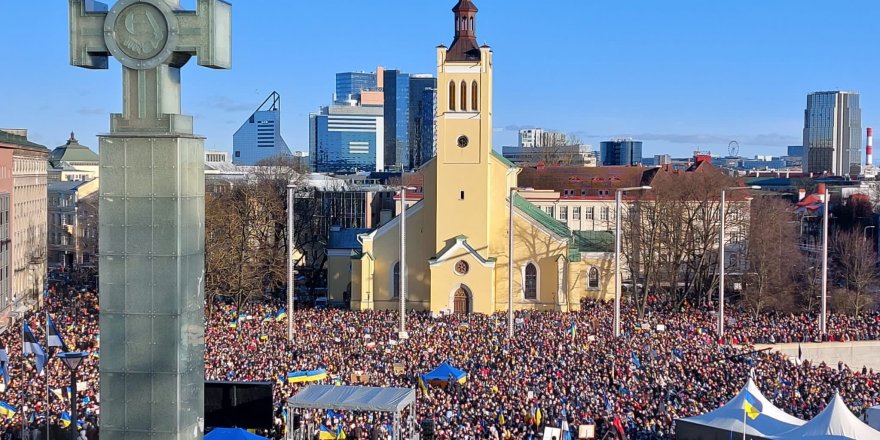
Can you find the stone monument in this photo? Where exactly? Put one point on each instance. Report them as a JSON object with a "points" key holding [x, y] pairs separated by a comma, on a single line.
{"points": [[152, 224]]}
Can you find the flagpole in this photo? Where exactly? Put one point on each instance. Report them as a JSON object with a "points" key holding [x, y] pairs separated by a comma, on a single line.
{"points": [[48, 361], [744, 422], [23, 374]]}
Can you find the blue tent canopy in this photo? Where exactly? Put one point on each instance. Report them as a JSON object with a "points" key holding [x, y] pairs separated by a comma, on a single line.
{"points": [[443, 372], [232, 434]]}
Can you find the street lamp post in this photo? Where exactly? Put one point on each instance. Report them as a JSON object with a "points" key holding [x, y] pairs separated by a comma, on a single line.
{"points": [[72, 360], [617, 197], [865, 231], [823, 318], [291, 283], [721, 240], [402, 333], [512, 191]]}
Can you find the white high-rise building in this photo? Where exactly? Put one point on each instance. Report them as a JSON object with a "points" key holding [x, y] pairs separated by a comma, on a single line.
{"points": [[832, 132]]}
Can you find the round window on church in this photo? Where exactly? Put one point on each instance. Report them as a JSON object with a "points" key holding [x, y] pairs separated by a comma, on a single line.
{"points": [[461, 267], [462, 141]]}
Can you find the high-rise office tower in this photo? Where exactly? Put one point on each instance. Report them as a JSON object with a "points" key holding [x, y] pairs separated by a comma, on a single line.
{"points": [[347, 138], [422, 89], [620, 152], [832, 132], [259, 137], [397, 123], [349, 85]]}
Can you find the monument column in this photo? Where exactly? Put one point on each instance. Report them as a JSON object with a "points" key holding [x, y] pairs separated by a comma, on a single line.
{"points": [[151, 213]]}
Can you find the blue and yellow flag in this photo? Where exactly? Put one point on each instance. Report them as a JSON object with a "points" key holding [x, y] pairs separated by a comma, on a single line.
{"points": [[751, 405], [306, 376], [7, 410], [326, 434], [65, 419], [233, 325], [422, 385], [573, 330], [281, 315]]}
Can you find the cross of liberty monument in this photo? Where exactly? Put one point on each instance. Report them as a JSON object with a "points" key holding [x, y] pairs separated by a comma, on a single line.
{"points": [[152, 223]]}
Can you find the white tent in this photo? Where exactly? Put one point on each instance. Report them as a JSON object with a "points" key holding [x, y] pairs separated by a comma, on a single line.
{"points": [[835, 422], [727, 420], [873, 417]]}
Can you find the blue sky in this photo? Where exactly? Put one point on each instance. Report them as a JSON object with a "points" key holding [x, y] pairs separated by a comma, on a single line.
{"points": [[677, 74]]}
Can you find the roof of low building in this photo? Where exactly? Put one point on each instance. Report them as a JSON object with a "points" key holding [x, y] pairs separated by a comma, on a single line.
{"points": [[541, 217], [346, 238], [73, 152], [11, 138]]}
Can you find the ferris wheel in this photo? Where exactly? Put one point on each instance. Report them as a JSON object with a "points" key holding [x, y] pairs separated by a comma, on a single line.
{"points": [[733, 149]]}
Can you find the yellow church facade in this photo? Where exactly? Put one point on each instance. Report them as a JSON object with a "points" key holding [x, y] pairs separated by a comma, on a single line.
{"points": [[457, 235]]}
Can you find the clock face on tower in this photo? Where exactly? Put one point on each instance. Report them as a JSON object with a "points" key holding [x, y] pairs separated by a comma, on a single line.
{"points": [[462, 141]]}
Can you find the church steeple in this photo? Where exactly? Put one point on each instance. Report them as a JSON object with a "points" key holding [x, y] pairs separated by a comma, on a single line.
{"points": [[464, 47]]}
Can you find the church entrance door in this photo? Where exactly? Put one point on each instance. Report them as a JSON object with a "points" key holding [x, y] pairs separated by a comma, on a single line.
{"points": [[462, 301]]}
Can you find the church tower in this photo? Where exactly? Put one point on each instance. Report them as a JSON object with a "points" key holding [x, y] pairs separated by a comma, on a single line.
{"points": [[464, 134]]}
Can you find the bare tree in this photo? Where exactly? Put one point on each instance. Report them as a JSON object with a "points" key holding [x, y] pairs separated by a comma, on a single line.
{"points": [[855, 262], [772, 255]]}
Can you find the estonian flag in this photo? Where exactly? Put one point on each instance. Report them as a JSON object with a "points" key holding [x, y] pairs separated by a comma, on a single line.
{"points": [[31, 346], [4, 366], [7, 410], [751, 405], [55, 339]]}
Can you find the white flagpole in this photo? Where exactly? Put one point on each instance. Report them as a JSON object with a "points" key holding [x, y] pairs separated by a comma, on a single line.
{"points": [[744, 421], [48, 359]]}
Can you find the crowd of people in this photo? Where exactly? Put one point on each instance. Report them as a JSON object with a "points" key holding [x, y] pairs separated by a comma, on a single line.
{"points": [[560, 370]]}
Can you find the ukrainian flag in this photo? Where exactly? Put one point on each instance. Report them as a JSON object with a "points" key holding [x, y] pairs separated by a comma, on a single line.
{"points": [[65, 419], [264, 337], [281, 315], [573, 330], [751, 405], [233, 325], [306, 376], [326, 434], [7, 410], [422, 385]]}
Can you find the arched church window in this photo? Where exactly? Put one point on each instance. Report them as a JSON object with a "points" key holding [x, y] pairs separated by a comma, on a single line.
{"points": [[475, 97], [463, 96], [452, 96], [396, 281], [530, 286], [472, 23], [593, 279]]}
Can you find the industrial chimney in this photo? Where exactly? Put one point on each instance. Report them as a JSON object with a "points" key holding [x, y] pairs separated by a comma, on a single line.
{"points": [[869, 150]]}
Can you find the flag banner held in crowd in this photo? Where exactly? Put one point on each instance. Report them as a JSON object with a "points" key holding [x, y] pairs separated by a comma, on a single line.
{"points": [[281, 315], [7, 410], [306, 376]]}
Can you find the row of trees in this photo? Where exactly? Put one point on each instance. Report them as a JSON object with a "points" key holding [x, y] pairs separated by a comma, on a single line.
{"points": [[670, 242]]}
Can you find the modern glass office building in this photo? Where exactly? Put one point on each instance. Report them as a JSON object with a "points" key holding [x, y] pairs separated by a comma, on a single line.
{"points": [[832, 132], [397, 123], [347, 138], [259, 137], [350, 84], [620, 152], [422, 91]]}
